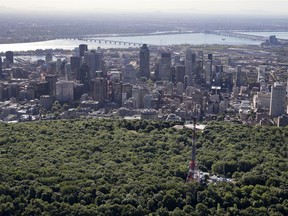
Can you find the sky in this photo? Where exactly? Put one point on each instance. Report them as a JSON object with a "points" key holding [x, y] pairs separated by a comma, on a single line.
{"points": [[262, 7]]}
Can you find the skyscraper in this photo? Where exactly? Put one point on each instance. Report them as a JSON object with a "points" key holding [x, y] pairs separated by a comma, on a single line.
{"points": [[144, 61], [180, 73], [217, 77], [51, 80], [48, 58], [94, 60], [98, 89], [238, 76], [10, 57], [208, 74], [82, 49], [75, 62], [84, 76], [165, 66], [278, 100], [190, 65], [65, 91]]}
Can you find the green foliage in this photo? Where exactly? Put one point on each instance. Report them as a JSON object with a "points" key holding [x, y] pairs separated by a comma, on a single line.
{"points": [[109, 167]]}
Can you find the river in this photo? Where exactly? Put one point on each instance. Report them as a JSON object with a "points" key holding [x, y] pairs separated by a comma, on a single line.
{"points": [[165, 39]]}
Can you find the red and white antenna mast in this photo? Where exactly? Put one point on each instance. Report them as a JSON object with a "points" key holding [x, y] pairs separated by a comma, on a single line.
{"points": [[193, 172]]}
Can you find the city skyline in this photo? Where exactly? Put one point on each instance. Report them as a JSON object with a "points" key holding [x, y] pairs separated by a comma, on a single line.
{"points": [[252, 7]]}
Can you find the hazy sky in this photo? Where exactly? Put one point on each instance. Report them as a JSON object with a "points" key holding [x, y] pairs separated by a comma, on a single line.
{"points": [[263, 7]]}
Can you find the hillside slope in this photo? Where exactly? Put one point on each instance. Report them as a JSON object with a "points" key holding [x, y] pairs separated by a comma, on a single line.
{"points": [[105, 167]]}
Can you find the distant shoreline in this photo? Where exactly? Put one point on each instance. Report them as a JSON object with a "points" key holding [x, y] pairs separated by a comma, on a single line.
{"points": [[142, 34]]}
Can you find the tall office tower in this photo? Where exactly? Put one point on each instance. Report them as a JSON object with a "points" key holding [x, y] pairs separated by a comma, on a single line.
{"points": [[82, 49], [190, 65], [200, 55], [165, 66], [1, 70], [238, 77], [199, 71], [75, 62], [67, 72], [65, 91], [98, 90], [10, 57], [157, 70], [180, 73], [99, 59], [210, 57], [186, 81], [48, 58], [13, 90], [94, 60], [144, 61], [52, 67], [117, 93], [84, 76], [58, 65], [217, 78], [173, 74], [51, 80], [208, 74], [129, 74], [278, 100]]}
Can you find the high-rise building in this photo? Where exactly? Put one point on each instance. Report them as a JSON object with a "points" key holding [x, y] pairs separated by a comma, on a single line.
{"points": [[10, 57], [52, 67], [208, 74], [117, 93], [98, 89], [217, 77], [210, 57], [82, 49], [13, 90], [42, 88], [278, 100], [190, 65], [165, 66], [65, 91], [75, 62], [129, 74], [94, 60], [48, 58], [186, 81], [180, 73], [238, 77], [84, 76], [51, 80], [144, 61], [67, 70]]}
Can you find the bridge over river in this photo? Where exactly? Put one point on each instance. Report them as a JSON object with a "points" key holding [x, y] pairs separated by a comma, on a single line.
{"points": [[244, 36], [106, 41]]}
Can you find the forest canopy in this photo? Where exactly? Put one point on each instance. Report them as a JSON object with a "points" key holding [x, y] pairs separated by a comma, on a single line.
{"points": [[120, 167]]}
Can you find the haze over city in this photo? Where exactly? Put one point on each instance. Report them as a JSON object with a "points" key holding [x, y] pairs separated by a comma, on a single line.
{"points": [[252, 7]]}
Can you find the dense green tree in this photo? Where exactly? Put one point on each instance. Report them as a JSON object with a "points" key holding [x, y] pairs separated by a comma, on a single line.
{"points": [[120, 167]]}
